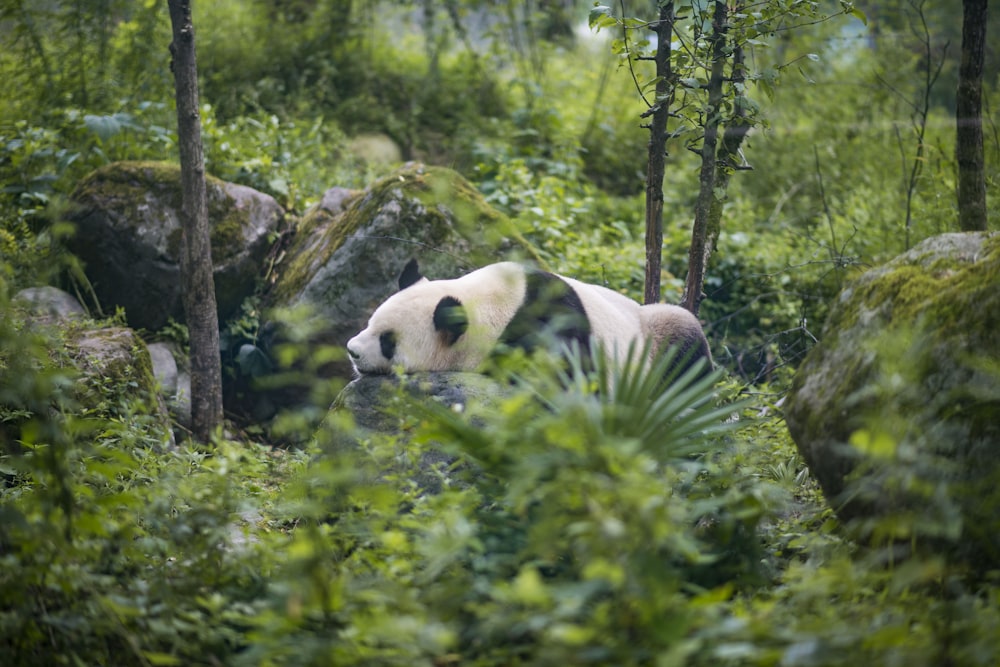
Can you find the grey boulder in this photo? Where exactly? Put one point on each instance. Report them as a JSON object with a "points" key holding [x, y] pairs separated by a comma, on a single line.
{"points": [[128, 233]]}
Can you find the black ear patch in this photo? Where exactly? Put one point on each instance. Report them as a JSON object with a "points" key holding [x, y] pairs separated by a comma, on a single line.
{"points": [[410, 274], [450, 319]]}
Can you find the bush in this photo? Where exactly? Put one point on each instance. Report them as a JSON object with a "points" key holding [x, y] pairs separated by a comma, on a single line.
{"points": [[583, 522]]}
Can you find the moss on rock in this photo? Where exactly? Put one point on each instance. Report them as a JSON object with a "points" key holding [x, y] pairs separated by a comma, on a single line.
{"points": [[116, 377], [905, 351], [128, 221], [420, 207]]}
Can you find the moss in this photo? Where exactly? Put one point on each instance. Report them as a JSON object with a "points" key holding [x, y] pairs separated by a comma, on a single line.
{"points": [[227, 223], [941, 295], [915, 289], [122, 181], [934, 289], [127, 183], [116, 369], [319, 216], [904, 349], [434, 187]]}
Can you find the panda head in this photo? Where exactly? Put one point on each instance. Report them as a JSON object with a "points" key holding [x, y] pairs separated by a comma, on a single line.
{"points": [[419, 328]]}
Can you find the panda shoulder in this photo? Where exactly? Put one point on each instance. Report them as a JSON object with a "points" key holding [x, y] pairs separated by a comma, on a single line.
{"points": [[500, 272]]}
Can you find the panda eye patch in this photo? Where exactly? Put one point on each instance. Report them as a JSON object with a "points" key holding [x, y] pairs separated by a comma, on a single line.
{"points": [[387, 343]]}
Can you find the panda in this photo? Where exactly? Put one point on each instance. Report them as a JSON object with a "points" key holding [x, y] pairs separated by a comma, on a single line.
{"points": [[455, 325]]}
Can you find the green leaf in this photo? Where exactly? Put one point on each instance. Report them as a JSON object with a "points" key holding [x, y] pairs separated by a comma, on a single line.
{"points": [[601, 17], [529, 589], [851, 10], [106, 127]]}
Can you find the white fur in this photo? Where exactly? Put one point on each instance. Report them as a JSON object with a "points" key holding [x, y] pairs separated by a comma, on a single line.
{"points": [[491, 296], [614, 318]]}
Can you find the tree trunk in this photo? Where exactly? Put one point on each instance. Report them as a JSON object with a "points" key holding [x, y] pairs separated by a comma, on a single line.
{"points": [[706, 180], [196, 251], [657, 153], [969, 119], [729, 158]]}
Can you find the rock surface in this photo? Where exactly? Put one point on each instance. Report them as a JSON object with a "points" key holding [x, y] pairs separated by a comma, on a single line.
{"points": [[117, 354], [128, 233], [50, 305], [907, 358], [174, 381]]}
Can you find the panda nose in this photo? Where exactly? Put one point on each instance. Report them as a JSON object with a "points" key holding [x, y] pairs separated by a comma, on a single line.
{"points": [[352, 353]]}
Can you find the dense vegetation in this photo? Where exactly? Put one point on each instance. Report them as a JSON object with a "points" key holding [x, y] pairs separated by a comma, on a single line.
{"points": [[583, 530]]}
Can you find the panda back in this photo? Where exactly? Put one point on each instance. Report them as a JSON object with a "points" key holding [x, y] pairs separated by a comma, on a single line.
{"points": [[551, 310], [613, 317]]}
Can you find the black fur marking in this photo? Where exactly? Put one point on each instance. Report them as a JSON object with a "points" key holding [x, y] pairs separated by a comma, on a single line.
{"points": [[410, 274], [450, 319], [387, 344], [551, 311]]}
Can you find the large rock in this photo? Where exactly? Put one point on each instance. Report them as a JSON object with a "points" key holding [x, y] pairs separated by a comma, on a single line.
{"points": [[116, 378], [128, 233], [348, 251], [901, 397], [50, 305], [110, 357]]}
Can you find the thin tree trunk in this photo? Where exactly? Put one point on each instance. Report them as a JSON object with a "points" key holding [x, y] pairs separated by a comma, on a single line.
{"points": [[706, 180], [729, 158], [969, 119], [660, 111], [196, 251]]}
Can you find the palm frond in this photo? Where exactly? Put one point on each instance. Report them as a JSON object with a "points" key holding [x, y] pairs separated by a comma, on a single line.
{"points": [[668, 406]]}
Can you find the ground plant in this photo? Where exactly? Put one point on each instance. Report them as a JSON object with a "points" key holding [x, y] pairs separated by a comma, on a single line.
{"points": [[583, 518]]}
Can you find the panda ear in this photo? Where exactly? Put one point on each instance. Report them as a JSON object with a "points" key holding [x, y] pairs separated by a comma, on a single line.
{"points": [[450, 319], [410, 274]]}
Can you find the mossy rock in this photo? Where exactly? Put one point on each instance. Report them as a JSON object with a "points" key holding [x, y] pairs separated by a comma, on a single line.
{"points": [[905, 379], [113, 371], [128, 234], [116, 377], [347, 255]]}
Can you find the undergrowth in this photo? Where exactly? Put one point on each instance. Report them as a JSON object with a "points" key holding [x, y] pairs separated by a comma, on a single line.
{"points": [[575, 520]]}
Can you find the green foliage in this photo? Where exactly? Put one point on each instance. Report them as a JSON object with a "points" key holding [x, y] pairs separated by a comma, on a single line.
{"points": [[617, 526], [584, 517], [571, 526], [279, 157], [747, 29], [575, 530], [83, 54]]}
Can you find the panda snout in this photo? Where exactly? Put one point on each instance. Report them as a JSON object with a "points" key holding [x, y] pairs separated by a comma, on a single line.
{"points": [[352, 349]]}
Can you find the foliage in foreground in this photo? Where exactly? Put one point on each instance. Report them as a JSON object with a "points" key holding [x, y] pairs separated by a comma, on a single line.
{"points": [[572, 527], [576, 541]]}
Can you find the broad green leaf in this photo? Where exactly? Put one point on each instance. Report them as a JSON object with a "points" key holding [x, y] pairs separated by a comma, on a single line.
{"points": [[601, 17]]}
